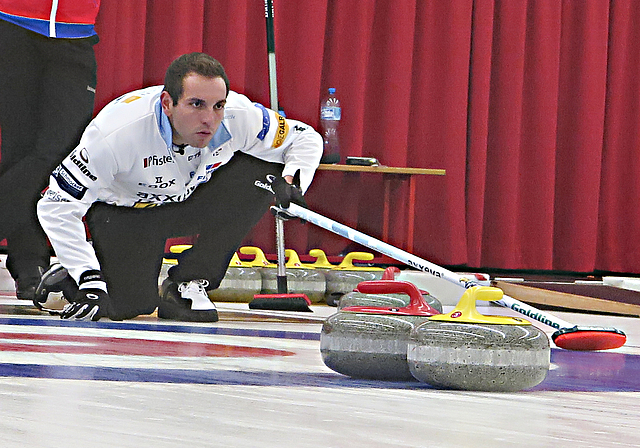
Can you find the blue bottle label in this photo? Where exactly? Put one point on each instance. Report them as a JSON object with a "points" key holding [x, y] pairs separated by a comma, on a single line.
{"points": [[331, 113]]}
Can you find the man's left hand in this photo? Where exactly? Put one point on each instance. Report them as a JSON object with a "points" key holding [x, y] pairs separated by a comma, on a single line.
{"points": [[286, 192]]}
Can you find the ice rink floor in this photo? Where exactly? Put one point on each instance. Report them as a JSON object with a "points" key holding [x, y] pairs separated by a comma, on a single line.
{"points": [[256, 382]]}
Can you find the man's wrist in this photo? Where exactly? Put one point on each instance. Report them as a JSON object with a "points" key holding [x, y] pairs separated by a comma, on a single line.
{"points": [[92, 279]]}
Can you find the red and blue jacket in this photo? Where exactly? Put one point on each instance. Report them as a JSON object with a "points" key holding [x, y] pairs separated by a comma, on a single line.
{"points": [[53, 18]]}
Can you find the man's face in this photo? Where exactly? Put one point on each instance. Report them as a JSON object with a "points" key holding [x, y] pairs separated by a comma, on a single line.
{"points": [[199, 111]]}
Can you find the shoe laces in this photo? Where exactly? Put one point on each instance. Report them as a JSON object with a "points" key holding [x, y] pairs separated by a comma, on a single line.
{"points": [[199, 286]]}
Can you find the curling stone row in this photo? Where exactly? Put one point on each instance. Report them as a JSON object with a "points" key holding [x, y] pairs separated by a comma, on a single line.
{"points": [[373, 345], [300, 278], [459, 350], [321, 280], [244, 279]]}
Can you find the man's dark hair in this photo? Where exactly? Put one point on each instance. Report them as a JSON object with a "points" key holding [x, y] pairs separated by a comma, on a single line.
{"points": [[199, 63]]}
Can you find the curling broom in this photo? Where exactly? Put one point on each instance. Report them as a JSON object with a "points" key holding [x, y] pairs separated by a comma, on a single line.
{"points": [[567, 335]]}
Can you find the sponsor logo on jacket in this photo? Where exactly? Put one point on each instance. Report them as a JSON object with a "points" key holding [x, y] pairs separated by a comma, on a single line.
{"points": [[68, 182], [266, 185], [160, 183], [155, 160], [159, 199], [54, 196], [76, 157], [266, 121], [281, 132]]}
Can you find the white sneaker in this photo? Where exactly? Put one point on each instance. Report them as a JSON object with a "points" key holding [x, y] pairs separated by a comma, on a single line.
{"points": [[196, 292], [187, 302]]}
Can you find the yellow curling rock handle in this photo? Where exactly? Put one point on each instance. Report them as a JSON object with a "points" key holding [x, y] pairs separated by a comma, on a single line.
{"points": [[465, 311], [238, 263], [347, 262], [179, 248], [176, 249], [260, 260], [321, 259], [293, 260]]}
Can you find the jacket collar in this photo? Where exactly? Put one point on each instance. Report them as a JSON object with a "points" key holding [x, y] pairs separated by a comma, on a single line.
{"points": [[221, 136]]}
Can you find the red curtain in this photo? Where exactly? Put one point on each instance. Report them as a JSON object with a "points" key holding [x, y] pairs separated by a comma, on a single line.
{"points": [[532, 107]]}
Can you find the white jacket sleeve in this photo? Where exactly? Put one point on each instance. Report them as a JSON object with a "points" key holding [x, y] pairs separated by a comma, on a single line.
{"points": [[73, 187], [269, 136]]}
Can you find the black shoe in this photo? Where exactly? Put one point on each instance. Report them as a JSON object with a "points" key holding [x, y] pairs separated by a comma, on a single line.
{"points": [[26, 285], [186, 302], [55, 289], [26, 289]]}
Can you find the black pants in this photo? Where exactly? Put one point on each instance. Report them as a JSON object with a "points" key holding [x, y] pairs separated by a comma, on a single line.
{"points": [[47, 90], [130, 242]]}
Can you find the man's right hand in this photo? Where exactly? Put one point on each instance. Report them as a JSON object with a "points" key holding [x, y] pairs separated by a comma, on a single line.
{"points": [[90, 303]]}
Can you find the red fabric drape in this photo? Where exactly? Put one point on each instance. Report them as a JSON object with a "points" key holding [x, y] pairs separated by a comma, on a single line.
{"points": [[531, 107]]}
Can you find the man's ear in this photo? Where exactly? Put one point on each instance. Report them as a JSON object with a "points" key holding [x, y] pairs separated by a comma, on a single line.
{"points": [[166, 101]]}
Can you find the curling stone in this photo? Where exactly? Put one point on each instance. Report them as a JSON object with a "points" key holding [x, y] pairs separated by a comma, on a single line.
{"points": [[344, 277], [378, 298], [469, 351], [239, 284], [371, 342], [300, 279]]}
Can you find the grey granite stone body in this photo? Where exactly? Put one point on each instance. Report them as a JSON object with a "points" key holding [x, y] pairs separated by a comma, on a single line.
{"points": [[368, 346], [239, 284], [483, 357]]}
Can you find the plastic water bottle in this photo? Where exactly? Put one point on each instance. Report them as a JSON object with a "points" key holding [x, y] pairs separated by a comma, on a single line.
{"points": [[330, 114]]}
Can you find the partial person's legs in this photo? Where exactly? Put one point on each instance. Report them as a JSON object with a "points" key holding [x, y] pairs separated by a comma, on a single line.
{"points": [[50, 90], [20, 69]]}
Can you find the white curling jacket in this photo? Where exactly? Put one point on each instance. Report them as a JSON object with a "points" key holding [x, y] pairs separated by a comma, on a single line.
{"points": [[125, 158]]}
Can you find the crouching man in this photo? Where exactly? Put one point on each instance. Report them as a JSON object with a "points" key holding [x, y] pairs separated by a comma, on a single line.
{"points": [[186, 158]]}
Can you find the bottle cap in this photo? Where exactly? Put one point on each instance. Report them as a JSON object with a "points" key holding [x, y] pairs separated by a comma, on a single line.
{"points": [[332, 90]]}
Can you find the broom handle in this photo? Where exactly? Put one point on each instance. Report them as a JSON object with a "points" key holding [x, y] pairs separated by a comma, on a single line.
{"points": [[281, 276], [420, 264], [271, 54]]}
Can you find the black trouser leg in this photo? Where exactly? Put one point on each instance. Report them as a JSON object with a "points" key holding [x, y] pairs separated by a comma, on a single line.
{"points": [[47, 100], [225, 210], [129, 244]]}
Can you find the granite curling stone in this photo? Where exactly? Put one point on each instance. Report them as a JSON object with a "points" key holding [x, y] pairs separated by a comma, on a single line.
{"points": [[377, 298], [300, 279], [344, 277], [466, 350], [239, 284], [371, 342]]}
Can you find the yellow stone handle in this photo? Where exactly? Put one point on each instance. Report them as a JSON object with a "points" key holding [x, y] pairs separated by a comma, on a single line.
{"points": [[260, 259], [347, 262], [321, 259], [237, 262], [179, 248], [466, 312], [176, 249], [293, 260]]}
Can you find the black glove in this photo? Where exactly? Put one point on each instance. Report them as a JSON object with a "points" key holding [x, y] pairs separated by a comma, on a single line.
{"points": [[287, 193], [90, 303]]}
